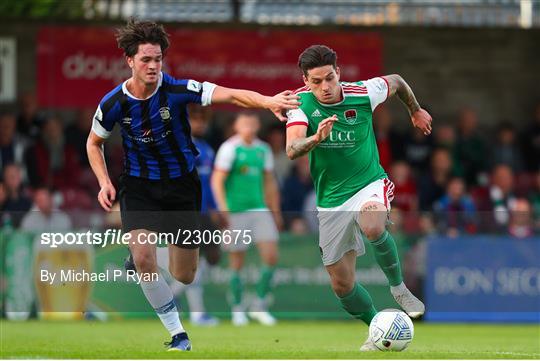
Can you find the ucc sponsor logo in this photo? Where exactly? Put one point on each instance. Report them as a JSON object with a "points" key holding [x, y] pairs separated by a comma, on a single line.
{"points": [[341, 136]]}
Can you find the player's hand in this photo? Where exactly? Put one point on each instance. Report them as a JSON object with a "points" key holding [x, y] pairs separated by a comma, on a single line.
{"points": [[422, 120], [324, 128], [106, 196], [283, 101]]}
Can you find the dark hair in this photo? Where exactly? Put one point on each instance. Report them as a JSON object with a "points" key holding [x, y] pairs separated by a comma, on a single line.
{"points": [[316, 56], [141, 32]]}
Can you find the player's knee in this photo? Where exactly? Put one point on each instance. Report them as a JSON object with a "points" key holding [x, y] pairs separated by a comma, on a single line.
{"points": [[145, 262], [342, 286], [184, 276], [373, 231]]}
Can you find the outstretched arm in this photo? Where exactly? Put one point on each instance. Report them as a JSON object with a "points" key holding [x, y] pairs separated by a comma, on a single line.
{"points": [[419, 117], [249, 99], [297, 142]]}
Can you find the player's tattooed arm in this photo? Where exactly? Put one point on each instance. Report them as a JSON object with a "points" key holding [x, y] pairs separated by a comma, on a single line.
{"points": [[419, 117], [301, 146], [398, 85], [297, 142]]}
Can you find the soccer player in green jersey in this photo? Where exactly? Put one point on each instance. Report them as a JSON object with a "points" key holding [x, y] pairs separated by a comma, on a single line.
{"points": [[334, 126], [245, 190]]}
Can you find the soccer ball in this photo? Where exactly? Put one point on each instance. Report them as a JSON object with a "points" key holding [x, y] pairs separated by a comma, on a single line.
{"points": [[391, 330]]}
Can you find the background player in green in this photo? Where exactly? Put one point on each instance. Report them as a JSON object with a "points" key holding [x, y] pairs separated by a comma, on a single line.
{"points": [[245, 189], [334, 125]]}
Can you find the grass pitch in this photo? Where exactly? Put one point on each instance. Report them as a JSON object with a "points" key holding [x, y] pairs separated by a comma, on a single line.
{"points": [[134, 339]]}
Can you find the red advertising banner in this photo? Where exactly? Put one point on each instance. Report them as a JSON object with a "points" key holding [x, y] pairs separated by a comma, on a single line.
{"points": [[77, 66]]}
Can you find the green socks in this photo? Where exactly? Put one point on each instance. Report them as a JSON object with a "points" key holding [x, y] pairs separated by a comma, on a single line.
{"points": [[359, 304], [236, 288], [265, 279], [387, 257], [263, 286]]}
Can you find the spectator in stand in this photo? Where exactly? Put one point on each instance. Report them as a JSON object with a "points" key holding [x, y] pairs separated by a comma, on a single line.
{"points": [[29, 120], [16, 203], [501, 194], [282, 164], [455, 210], [3, 197], [531, 143], [445, 137], [521, 223], [12, 145], [470, 147], [389, 142], [506, 150], [295, 189], [406, 197], [43, 216], [51, 161], [534, 199], [77, 134], [417, 150], [432, 186]]}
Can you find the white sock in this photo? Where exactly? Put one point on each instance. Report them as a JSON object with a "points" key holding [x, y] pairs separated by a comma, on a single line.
{"points": [[159, 295], [162, 254], [398, 289], [194, 291]]}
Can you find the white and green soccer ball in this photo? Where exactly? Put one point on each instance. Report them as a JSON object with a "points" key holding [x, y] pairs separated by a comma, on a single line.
{"points": [[391, 330]]}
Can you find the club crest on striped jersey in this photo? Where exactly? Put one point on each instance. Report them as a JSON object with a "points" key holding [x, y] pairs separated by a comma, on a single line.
{"points": [[350, 116], [165, 114]]}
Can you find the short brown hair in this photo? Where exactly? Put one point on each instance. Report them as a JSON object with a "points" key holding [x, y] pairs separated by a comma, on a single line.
{"points": [[316, 56], [138, 32]]}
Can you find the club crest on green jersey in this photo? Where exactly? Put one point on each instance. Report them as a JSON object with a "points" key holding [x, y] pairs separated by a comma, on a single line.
{"points": [[350, 116]]}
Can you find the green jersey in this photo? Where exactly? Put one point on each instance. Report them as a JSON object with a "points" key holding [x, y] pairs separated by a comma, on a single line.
{"points": [[348, 160], [246, 164]]}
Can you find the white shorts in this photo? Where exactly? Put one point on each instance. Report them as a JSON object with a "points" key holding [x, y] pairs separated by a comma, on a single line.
{"points": [[339, 231], [258, 223]]}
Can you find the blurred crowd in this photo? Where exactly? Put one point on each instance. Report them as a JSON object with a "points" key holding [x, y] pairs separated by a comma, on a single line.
{"points": [[463, 179]]}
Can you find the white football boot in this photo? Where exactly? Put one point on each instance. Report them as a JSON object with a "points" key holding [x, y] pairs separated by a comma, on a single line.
{"points": [[239, 317], [263, 317], [259, 312], [410, 304], [368, 346]]}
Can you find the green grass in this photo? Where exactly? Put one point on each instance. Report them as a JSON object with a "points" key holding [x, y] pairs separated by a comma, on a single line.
{"points": [[291, 340]]}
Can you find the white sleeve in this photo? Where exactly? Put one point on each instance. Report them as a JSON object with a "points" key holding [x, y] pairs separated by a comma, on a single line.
{"points": [[225, 157], [377, 90], [296, 117], [207, 92], [96, 124], [268, 159]]}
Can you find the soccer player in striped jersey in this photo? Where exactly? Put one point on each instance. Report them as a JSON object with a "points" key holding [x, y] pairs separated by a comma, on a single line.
{"points": [[334, 126], [160, 174]]}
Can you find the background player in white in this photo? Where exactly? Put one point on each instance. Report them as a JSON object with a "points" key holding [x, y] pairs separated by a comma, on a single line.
{"points": [[245, 188], [334, 126]]}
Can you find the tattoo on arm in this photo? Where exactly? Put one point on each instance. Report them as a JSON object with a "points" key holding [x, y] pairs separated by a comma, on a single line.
{"points": [[301, 146], [369, 208], [398, 85]]}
